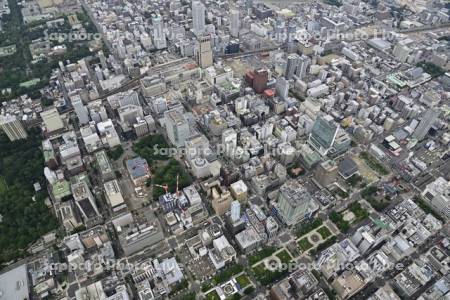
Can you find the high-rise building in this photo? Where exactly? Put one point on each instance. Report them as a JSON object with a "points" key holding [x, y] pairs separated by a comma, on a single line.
{"points": [[295, 203], [235, 211], [291, 32], [279, 31], [52, 120], [293, 61], [159, 37], [229, 141], [235, 23], [221, 200], [296, 65], [85, 200], [437, 194], [177, 127], [12, 127], [428, 119], [198, 17], [261, 77], [80, 110], [249, 5], [282, 88], [341, 143], [323, 134], [302, 67], [326, 173], [204, 52]]}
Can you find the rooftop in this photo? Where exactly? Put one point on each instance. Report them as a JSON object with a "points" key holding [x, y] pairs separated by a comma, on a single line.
{"points": [[137, 167]]}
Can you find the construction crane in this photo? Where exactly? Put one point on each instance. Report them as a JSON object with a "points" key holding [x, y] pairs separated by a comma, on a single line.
{"points": [[177, 192], [165, 187]]}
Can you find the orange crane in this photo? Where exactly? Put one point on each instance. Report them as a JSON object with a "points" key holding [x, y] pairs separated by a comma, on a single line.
{"points": [[177, 192], [165, 187]]}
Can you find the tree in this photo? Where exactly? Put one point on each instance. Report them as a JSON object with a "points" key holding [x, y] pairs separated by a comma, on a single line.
{"points": [[24, 220]]}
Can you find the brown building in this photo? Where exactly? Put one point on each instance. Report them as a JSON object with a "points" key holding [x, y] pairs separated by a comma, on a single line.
{"points": [[221, 200], [260, 81]]}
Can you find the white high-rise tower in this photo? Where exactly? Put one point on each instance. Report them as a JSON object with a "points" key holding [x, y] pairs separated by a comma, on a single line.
{"points": [[12, 127], [159, 37], [235, 23], [80, 110], [235, 211], [198, 17]]}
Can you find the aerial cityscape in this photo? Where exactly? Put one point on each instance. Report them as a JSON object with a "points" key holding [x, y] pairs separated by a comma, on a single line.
{"points": [[224, 150]]}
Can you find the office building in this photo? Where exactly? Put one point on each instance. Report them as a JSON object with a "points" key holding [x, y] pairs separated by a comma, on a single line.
{"points": [[135, 233], [326, 173], [80, 110], [153, 85], [437, 194], [221, 253], [235, 211], [282, 88], [159, 37], [221, 200], [123, 99], [428, 119], [294, 203], [108, 133], [271, 227], [12, 127], [302, 67], [261, 77], [104, 166], [234, 23], [90, 137], [341, 143], [239, 190], [198, 17], [67, 215], [85, 201], [129, 115], [14, 284], [177, 127], [296, 65], [204, 52], [114, 195], [138, 170], [229, 141], [347, 168], [292, 64], [52, 120], [248, 240], [140, 127], [323, 134], [70, 153]]}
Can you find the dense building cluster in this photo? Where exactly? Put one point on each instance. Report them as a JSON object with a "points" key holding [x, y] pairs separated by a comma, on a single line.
{"points": [[237, 149]]}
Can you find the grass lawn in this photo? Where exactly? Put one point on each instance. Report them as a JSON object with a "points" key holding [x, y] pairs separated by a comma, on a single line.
{"points": [[259, 270], [360, 213], [243, 281], [266, 252], [226, 274], [284, 256], [304, 244], [308, 227], [339, 221], [354, 180], [374, 164], [324, 232], [212, 296], [267, 277]]}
